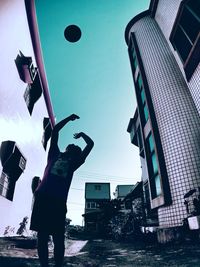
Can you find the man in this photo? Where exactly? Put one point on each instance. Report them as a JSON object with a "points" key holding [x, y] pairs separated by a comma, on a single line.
{"points": [[49, 210]]}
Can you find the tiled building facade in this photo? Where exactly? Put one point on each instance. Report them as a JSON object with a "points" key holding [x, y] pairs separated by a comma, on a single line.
{"points": [[167, 86]]}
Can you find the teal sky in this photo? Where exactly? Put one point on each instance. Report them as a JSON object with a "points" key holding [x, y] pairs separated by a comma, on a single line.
{"points": [[92, 78]]}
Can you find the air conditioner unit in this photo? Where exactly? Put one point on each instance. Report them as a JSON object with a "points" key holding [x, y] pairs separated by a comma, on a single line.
{"points": [[26, 70], [12, 159]]}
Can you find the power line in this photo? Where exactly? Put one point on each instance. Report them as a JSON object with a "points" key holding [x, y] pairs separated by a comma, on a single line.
{"points": [[101, 179], [88, 173]]}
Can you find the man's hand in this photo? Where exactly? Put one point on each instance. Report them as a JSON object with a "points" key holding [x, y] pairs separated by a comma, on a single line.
{"points": [[78, 135], [73, 117], [88, 141]]}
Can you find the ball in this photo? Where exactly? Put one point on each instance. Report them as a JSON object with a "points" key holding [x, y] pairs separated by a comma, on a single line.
{"points": [[72, 33]]}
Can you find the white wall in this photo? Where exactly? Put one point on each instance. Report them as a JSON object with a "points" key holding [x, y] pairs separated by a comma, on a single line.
{"points": [[15, 121], [165, 16]]}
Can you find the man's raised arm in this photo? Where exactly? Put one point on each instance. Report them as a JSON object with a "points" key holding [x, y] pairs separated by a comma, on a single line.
{"points": [[59, 126], [89, 143]]}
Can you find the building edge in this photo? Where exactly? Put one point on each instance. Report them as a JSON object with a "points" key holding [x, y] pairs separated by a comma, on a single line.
{"points": [[150, 11]]}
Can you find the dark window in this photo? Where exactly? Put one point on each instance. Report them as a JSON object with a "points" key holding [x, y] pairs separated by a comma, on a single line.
{"points": [[135, 63], [97, 187], [133, 59], [185, 35], [142, 100], [140, 143], [152, 161], [91, 205]]}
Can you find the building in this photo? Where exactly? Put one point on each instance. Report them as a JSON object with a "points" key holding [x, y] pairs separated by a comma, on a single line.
{"points": [[164, 51], [26, 116], [96, 195], [121, 191], [134, 200]]}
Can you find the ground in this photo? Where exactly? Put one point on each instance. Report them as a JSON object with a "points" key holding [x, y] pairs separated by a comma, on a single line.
{"points": [[106, 253]]}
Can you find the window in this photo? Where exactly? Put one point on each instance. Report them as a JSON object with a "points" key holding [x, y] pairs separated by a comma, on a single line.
{"points": [[154, 163], [146, 113], [91, 205], [185, 35], [133, 59], [97, 187], [155, 182], [151, 143], [142, 99], [140, 81], [142, 96], [158, 185], [139, 136]]}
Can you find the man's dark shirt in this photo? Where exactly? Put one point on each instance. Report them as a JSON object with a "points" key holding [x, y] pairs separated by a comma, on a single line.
{"points": [[58, 174]]}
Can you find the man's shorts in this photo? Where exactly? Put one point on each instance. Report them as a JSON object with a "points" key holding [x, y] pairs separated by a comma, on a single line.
{"points": [[48, 214]]}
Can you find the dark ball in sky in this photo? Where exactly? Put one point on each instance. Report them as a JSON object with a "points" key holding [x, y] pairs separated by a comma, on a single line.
{"points": [[72, 33]]}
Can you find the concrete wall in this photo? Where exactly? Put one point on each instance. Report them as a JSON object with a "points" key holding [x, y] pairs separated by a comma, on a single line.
{"points": [[15, 121]]}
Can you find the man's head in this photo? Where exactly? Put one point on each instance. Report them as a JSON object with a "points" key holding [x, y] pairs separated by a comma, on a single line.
{"points": [[73, 151]]}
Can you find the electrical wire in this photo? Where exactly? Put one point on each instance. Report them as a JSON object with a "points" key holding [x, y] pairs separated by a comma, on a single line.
{"points": [[95, 174]]}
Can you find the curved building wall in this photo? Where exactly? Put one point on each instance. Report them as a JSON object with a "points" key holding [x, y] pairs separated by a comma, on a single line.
{"points": [[176, 115], [16, 122], [165, 16]]}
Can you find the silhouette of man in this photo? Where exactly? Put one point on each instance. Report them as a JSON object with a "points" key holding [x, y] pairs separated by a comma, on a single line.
{"points": [[49, 210]]}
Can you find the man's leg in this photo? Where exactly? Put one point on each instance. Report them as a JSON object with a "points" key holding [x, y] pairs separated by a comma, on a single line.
{"points": [[42, 247], [59, 248]]}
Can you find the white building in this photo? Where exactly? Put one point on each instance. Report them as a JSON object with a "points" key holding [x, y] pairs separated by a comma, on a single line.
{"points": [[25, 109], [164, 50]]}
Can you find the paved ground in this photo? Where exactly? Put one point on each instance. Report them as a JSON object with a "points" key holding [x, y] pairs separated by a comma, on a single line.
{"points": [[106, 253]]}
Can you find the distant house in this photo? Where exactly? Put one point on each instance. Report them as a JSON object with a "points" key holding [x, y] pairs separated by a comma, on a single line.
{"points": [[95, 195], [135, 201], [121, 191]]}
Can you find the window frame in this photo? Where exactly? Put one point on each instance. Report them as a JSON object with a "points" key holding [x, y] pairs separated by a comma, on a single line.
{"points": [[91, 205], [151, 151], [193, 58]]}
